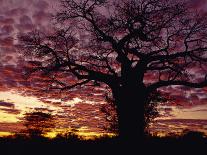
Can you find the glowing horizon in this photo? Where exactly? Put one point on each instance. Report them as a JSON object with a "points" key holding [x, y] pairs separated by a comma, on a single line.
{"points": [[27, 104]]}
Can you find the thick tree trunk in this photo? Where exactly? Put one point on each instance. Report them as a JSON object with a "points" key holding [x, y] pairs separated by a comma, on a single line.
{"points": [[130, 101]]}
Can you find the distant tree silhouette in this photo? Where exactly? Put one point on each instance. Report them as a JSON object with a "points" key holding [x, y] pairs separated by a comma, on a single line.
{"points": [[193, 135], [151, 108], [133, 46], [71, 136], [37, 123]]}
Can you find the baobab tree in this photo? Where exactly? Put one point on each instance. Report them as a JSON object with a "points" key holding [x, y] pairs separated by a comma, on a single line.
{"points": [[121, 44]]}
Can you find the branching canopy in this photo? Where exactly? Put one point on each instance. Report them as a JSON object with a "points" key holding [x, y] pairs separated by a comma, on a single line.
{"points": [[106, 41]]}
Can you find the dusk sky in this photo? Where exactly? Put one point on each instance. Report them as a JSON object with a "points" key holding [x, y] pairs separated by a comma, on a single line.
{"points": [[81, 108]]}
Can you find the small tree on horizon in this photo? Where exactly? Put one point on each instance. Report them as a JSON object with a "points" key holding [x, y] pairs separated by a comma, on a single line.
{"points": [[37, 123]]}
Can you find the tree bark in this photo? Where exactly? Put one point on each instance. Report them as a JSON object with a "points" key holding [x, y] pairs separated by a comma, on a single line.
{"points": [[130, 101]]}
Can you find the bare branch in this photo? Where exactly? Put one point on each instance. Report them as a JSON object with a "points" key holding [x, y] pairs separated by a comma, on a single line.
{"points": [[71, 86], [177, 82]]}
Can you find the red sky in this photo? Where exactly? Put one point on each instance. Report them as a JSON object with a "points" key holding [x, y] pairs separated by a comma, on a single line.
{"points": [[79, 109]]}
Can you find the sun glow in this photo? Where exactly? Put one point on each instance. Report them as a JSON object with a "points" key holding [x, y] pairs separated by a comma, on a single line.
{"points": [[23, 104], [4, 134], [8, 118]]}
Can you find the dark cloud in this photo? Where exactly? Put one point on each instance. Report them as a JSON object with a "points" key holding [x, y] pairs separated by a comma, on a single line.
{"points": [[16, 11], [7, 41], [178, 126], [25, 20], [25, 24], [19, 16], [11, 127], [41, 5], [6, 20], [6, 104], [11, 111], [41, 16], [198, 3], [6, 30]]}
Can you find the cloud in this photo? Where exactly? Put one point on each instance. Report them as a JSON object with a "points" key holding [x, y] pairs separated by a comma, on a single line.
{"points": [[6, 104], [41, 5], [43, 109], [25, 20], [7, 41], [41, 16], [87, 115], [11, 127], [25, 24], [178, 125], [6, 20], [6, 30], [8, 108], [200, 110], [21, 16], [11, 111], [198, 4], [16, 11]]}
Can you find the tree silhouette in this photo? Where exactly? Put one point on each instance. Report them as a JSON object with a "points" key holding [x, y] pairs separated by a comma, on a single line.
{"points": [[121, 44], [37, 123], [150, 111], [110, 115]]}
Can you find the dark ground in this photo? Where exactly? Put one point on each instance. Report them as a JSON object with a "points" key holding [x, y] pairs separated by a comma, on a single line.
{"points": [[189, 144]]}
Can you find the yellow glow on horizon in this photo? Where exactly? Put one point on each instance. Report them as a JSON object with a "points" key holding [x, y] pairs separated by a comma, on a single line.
{"points": [[8, 118], [22, 103], [86, 134], [82, 133], [93, 135], [4, 134], [51, 134]]}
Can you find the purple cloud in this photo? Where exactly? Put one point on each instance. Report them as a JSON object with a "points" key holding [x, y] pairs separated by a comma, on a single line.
{"points": [[6, 104], [11, 111]]}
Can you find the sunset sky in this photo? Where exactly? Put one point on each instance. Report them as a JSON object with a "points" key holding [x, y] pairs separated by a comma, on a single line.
{"points": [[78, 109]]}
